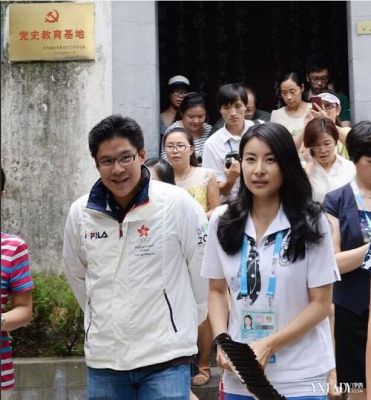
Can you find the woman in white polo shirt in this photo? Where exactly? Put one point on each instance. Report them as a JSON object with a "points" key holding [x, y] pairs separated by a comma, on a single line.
{"points": [[271, 250]]}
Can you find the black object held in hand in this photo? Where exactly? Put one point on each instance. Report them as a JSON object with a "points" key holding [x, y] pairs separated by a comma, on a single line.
{"points": [[244, 363], [229, 156]]}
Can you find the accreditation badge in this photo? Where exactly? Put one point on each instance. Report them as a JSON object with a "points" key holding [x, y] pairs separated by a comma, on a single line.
{"points": [[255, 325]]}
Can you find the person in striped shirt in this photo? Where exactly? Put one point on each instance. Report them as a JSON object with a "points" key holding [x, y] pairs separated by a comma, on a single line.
{"points": [[192, 116], [16, 283]]}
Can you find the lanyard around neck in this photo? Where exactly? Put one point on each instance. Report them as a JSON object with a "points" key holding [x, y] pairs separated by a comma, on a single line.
{"points": [[271, 289], [360, 202]]}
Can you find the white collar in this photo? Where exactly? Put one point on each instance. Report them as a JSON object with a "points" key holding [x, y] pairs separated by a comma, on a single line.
{"points": [[279, 223], [226, 135]]}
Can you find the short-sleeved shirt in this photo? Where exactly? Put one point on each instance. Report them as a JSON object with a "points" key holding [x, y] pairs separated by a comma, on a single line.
{"points": [[312, 354], [215, 149], [293, 124], [196, 185], [340, 173], [15, 279]]}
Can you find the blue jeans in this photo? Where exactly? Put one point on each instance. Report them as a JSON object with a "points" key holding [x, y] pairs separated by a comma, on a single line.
{"points": [[229, 396], [168, 384]]}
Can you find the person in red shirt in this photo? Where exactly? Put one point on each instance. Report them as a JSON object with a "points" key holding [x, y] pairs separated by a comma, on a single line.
{"points": [[16, 283]]}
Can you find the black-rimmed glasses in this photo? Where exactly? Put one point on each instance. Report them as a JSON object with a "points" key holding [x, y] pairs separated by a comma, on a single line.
{"points": [[122, 159]]}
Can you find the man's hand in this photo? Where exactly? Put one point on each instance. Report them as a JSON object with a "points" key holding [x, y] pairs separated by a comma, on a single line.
{"points": [[233, 172]]}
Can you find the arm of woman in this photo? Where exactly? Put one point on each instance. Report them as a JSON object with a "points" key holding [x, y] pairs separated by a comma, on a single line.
{"points": [[21, 312], [218, 308], [298, 140], [318, 308], [348, 260], [212, 195]]}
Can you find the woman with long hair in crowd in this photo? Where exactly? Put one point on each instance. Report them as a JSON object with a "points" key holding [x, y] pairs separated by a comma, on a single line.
{"points": [[271, 250], [202, 185], [200, 182]]}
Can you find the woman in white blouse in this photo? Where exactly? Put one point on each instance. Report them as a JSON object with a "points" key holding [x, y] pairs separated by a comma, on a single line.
{"points": [[326, 169]]}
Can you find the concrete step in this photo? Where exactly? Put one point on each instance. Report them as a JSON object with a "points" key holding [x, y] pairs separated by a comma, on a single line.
{"points": [[210, 390]]}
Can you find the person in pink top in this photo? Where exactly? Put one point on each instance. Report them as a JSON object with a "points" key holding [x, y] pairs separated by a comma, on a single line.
{"points": [[16, 283]]}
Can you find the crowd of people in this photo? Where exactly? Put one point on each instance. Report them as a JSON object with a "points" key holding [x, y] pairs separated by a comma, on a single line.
{"points": [[257, 228]]}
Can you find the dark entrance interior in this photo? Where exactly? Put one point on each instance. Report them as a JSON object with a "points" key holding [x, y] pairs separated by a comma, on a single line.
{"points": [[213, 43]]}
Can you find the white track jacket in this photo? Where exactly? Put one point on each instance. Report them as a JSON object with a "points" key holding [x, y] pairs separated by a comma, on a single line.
{"points": [[138, 282]]}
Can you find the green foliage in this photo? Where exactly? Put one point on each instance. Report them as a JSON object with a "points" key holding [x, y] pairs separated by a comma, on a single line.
{"points": [[57, 325]]}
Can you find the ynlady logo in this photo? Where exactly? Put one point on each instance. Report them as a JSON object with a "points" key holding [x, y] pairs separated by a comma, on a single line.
{"points": [[341, 388], [143, 231], [96, 235]]}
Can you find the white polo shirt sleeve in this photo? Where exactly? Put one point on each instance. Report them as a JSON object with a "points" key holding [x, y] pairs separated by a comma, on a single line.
{"points": [[212, 265], [213, 159], [322, 267]]}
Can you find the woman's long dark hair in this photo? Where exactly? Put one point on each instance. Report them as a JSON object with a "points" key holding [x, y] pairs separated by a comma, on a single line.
{"points": [[295, 194]]}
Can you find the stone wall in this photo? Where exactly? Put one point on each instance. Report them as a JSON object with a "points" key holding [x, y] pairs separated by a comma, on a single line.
{"points": [[50, 378], [47, 110]]}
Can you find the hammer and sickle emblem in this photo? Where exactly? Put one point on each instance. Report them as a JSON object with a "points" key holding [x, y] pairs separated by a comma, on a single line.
{"points": [[52, 16]]}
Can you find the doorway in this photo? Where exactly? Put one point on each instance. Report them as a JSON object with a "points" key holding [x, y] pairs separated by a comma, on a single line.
{"points": [[213, 43]]}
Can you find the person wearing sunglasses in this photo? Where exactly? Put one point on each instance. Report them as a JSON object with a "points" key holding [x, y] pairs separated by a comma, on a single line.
{"points": [[326, 169], [328, 106], [177, 87]]}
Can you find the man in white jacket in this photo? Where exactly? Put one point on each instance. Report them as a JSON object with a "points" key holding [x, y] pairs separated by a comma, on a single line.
{"points": [[133, 249]]}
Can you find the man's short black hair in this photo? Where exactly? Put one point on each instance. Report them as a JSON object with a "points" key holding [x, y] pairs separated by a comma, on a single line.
{"points": [[115, 126], [317, 62], [358, 141], [229, 93]]}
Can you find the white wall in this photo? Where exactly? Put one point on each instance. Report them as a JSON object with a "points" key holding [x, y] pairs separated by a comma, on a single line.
{"points": [[135, 66], [359, 51]]}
